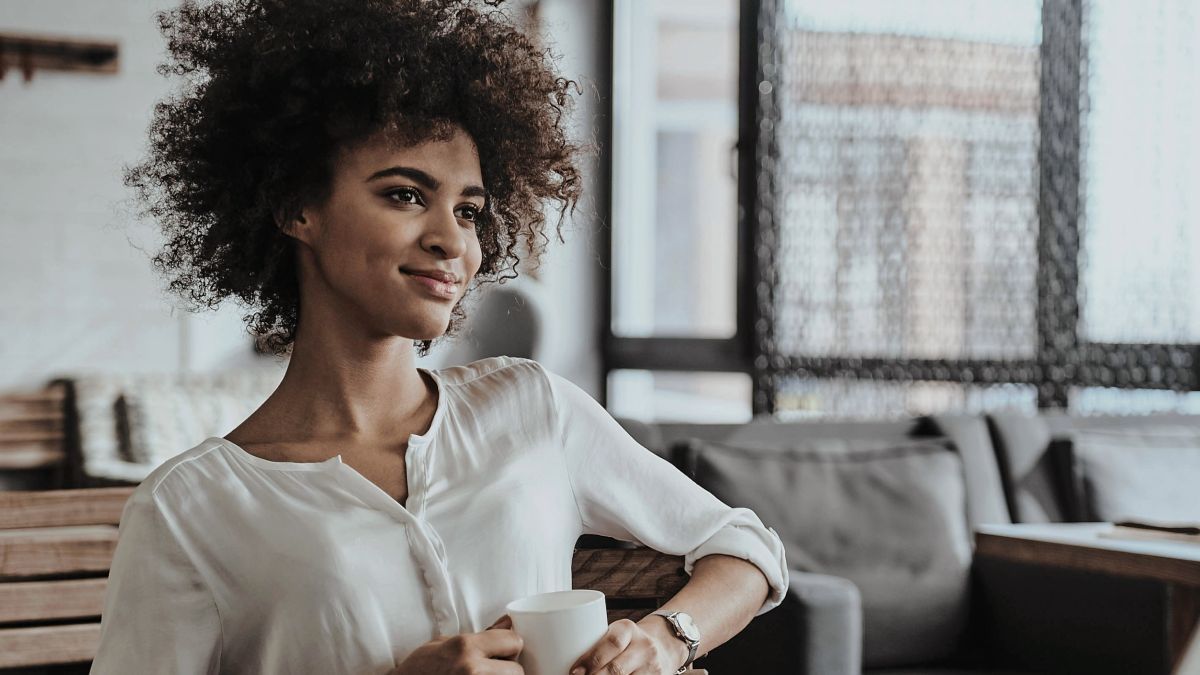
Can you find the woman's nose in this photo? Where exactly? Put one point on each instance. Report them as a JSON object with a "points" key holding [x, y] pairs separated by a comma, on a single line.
{"points": [[444, 234]]}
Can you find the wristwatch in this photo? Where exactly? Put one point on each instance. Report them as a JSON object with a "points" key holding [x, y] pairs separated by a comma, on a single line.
{"points": [[685, 629]]}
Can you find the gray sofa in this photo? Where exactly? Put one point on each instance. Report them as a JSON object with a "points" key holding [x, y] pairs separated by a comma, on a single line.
{"points": [[877, 518]]}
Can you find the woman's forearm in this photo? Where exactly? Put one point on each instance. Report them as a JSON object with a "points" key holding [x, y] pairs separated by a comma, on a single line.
{"points": [[722, 597]]}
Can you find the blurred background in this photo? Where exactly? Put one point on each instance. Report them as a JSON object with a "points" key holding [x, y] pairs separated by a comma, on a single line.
{"points": [[799, 209], [915, 280]]}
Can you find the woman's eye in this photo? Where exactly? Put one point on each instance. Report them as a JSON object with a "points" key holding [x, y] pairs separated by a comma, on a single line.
{"points": [[469, 213], [405, 196]]}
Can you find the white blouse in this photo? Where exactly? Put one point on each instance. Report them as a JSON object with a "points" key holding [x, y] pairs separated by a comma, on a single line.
{"points": [[230, 563]]}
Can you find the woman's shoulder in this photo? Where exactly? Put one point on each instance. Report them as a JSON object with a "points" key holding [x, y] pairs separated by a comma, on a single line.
{"points": [[505, 386], [493, 372], [184, 472]]}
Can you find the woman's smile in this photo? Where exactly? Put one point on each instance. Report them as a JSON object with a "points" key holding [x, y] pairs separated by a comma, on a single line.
{"points": [[439, 289]]}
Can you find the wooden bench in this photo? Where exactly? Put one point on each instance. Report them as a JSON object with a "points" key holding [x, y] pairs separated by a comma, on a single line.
{"points": [[33, 437], [56, 547], [55, 550]]}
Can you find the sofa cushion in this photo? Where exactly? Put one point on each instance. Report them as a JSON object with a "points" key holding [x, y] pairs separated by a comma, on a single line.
{"points": [[986, 504], [1146, 474], [1021, 442], [1028, 468], [129, 424], [166, 415], [891, 519]]}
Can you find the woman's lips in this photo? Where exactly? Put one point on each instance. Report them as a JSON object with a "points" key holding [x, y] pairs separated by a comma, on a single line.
{"points": [[439, 289]]}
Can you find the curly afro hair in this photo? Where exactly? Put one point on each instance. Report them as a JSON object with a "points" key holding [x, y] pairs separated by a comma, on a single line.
{"points": [[273, 88]]}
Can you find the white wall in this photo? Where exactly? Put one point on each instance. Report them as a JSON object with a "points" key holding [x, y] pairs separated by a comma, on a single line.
{"points": [[572, 272], [75, 293]]}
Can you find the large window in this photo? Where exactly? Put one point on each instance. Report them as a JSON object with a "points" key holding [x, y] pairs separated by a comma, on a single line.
{"points": [[945, 205], [675, 193], [1141, 162], [675, 239]]}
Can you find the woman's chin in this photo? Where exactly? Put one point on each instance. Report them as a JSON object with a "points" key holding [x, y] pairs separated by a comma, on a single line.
{"points": [[424, 332], [415, 323]]}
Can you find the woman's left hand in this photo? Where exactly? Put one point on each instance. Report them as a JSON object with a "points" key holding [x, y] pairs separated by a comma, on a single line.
{"points": [[629, 648]]}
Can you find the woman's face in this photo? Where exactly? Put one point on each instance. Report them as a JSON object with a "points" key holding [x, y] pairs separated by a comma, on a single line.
{"points": [[392, 211]]}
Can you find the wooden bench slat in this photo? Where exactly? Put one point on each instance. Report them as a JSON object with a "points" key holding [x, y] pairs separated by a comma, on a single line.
{"points": [[25, 410], [48, 645], [49, 396], [41, 600], [25, 437], [11, 426], [30, 421], [30, 457], [57, 550], [50, 508], [633, 615], [628, 573]]}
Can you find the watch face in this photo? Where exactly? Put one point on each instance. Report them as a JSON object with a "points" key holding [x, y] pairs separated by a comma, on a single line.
{"points": [[689, 628]]}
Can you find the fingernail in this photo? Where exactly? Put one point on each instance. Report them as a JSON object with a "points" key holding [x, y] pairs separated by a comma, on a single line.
{"points": [[577, 671]]}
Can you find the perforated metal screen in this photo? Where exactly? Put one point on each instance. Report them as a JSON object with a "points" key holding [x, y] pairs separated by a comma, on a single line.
{"points": [[922, 203]]}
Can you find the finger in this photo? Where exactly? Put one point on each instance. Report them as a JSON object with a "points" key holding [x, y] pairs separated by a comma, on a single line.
{"points": [[629, 661], [615, 640], [498, 643], [505, 668], [503, 622]]}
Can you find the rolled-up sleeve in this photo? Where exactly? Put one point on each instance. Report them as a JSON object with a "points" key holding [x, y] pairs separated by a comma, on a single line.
{"points": [[159, 616], [625, 491]]}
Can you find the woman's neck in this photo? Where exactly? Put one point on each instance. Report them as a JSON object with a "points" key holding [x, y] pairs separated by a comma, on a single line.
{"points": [[342, 386]]}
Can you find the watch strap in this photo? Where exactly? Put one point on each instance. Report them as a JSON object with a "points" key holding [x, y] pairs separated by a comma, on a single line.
{"points": [[693, 645]]}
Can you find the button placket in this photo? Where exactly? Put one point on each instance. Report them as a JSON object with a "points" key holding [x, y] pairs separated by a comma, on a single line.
{"points": [[420, 542], [437, 579], [414, 463], [425, 545]]}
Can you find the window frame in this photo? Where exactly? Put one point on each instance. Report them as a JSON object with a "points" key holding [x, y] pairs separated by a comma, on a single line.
{"points": [[698, 354], [1063, 361]]}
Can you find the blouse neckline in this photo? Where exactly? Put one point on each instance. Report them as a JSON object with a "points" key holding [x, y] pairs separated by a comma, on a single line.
{"points": [[414, 440]]}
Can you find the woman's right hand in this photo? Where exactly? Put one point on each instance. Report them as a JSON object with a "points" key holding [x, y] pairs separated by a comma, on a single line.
{"points": [[492, 652]]}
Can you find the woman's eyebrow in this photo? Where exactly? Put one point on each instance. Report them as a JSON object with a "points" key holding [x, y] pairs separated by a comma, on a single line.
{"points": [[424, 179]]}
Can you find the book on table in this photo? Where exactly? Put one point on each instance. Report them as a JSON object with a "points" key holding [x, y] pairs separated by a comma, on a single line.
{"points": [[1154, 531]]}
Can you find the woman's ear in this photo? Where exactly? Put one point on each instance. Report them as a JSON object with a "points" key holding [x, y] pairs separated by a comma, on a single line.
{"points": [[295, 222]]}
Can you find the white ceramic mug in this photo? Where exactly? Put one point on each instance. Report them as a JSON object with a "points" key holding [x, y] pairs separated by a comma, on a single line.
{"points": [[557, 628]]}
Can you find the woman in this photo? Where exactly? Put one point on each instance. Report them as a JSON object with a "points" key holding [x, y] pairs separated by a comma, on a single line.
{"points": [[350, 171]]}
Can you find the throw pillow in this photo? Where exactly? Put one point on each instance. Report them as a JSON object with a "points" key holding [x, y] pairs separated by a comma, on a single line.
{"points": [[1147, 474], [170, 414], [892, 520]]}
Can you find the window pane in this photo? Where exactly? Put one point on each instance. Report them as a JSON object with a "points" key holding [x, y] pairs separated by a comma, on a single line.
{"points": [[1106, 401], [908, 140], [1141, 235], [804, 398], [671, 396], [674, 228]]}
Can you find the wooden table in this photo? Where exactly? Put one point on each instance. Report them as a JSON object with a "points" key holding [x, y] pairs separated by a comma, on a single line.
{"points": [[1085, 547]]}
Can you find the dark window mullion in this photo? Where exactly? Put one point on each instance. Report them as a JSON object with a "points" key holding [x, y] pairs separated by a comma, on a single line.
{"points": [[961, 371], [758, 115], [1059, 193], [1138, 366], [677, 353]]}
